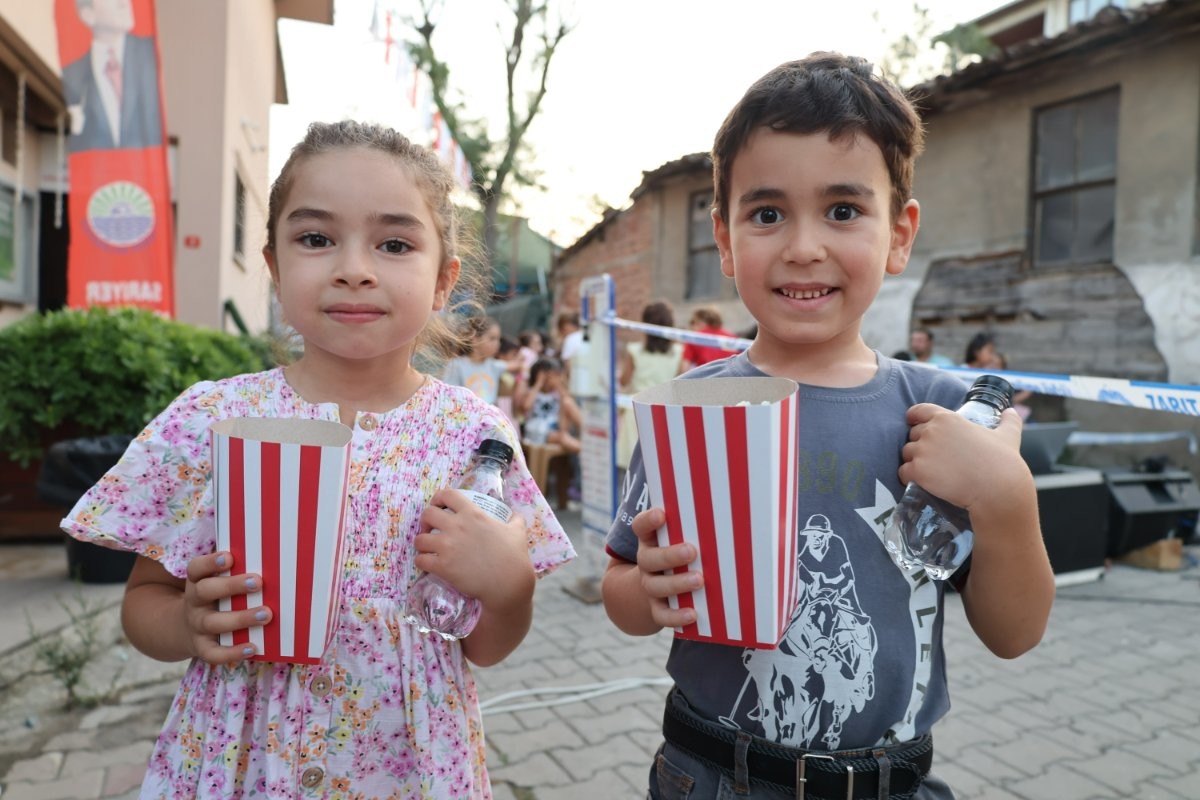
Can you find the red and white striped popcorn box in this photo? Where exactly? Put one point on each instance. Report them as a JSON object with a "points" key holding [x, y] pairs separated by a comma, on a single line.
{"points": [[281, 491], [721, 458]]}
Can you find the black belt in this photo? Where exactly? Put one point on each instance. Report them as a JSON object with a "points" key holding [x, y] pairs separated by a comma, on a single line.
{"points": [[814, 774]]}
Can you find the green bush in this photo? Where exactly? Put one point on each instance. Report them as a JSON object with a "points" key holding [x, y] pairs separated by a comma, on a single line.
{"points": [[101, 371]]}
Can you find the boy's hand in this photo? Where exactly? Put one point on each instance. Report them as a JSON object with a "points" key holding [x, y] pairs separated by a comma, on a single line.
{"points": [[960, 461], [473, 551], [205, 586], [653, 561]]}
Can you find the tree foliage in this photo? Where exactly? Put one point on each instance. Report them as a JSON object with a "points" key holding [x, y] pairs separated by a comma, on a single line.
{"points": [[497, 162], [917, 56]]}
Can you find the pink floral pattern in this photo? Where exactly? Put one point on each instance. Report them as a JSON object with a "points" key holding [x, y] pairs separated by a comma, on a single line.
{"points": [[390, 712]]}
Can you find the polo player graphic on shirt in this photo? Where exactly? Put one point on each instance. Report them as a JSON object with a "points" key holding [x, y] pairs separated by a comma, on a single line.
{"points": [[822, 671]]}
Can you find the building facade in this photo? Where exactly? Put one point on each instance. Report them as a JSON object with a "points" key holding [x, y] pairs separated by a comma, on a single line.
{"points": [[222, 71]]}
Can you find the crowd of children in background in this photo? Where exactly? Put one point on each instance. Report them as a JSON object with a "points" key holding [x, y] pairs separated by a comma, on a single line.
{"points": [[526, 379]]}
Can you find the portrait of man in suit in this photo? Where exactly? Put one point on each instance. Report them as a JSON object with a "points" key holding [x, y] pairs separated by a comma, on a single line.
{"points": [[112, 90]]}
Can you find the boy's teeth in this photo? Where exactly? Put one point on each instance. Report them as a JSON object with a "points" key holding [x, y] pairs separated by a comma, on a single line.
{"points": [[807, 295]]}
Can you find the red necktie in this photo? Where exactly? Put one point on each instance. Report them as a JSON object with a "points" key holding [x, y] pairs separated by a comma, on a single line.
{"points": [[112, 70]]}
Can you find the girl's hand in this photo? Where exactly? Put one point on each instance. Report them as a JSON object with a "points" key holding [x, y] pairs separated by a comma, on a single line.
{"points": [[473, 551], [205, 586], [654, 562]]}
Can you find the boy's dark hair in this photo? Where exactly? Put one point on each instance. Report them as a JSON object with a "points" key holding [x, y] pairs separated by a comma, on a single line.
{"points": [[658, 313], [824, 93]]}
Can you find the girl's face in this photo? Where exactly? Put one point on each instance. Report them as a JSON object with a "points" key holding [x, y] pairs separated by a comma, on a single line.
{"points": [[357, 263], [487, 344], [553, 380]]}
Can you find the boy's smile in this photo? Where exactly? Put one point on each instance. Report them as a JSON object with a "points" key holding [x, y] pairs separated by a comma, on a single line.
{"points": [[808, 240]]}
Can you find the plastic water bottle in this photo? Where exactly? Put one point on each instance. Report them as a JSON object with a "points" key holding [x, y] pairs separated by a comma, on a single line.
{"points": [[926, 531], [434, 605]]}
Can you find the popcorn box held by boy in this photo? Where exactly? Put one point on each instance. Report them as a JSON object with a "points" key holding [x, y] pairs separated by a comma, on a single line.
{"points": [[281, 492], [721, 458]]}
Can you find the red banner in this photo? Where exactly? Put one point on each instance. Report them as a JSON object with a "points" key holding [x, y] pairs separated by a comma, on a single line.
{"points": [[120, 200]]}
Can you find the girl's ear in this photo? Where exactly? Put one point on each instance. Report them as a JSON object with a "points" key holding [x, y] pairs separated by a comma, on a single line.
{"points": [[447, 278], [724, 244], [272, 267]]}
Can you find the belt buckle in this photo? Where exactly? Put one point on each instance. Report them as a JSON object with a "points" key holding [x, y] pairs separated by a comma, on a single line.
{"points": [[801, 779]]}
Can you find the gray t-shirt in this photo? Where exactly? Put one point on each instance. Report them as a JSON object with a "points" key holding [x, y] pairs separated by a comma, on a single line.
{"points": [[481, 377], [861, 662]]}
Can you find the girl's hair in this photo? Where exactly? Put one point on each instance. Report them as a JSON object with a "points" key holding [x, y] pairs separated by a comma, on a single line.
{"points": [[545, 364], [439, 340], [525, 337], [977, 343], [658, 313], [709, 315]]}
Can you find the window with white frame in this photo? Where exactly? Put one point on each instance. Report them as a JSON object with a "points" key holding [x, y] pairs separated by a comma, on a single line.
{"points": [[1081, 10], [239, 219], [1075, 181], [704, 263], [18, 229]]}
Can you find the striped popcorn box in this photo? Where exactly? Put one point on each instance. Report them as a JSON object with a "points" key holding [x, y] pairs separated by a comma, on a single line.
{"points": [[281, 487], [721, 458]]}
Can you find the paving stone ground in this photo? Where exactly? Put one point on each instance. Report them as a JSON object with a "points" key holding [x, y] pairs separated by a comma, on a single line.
{"points": [[1106, 708]]}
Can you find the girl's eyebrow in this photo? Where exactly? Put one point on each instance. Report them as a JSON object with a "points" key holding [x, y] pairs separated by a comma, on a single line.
{"points": [[305, 214], [402, 220]]}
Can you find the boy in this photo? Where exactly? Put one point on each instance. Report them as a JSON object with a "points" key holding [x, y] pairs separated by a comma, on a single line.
{"points": [[812, 207]]}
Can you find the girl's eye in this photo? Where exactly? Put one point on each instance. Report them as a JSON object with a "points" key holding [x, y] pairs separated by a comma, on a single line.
{"points": [[765, 216], [395, 246], [844, 212], [314, 240]]}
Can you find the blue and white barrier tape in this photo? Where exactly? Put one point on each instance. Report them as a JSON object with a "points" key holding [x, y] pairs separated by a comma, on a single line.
{"points": [[1175, 398], [731, 343]]}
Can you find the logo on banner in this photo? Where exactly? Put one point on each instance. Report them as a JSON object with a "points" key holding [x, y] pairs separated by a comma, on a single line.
{"points": [[121, 214]]}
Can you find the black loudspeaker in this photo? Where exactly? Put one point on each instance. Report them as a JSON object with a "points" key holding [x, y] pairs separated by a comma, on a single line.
{"points": [[1147, 506], [1073, 511]]}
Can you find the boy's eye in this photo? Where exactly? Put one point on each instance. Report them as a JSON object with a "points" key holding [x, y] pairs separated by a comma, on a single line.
{"points": [[395, 246], [314, 240], [843, 212], [765, 216]]}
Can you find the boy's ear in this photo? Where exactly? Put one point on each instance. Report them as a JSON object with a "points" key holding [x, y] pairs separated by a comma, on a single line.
{"points": [[447, 277], [904, 232], [724, 248]]}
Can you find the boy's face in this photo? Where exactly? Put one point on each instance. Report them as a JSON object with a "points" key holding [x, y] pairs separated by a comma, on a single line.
{"points": [[809, 239]]}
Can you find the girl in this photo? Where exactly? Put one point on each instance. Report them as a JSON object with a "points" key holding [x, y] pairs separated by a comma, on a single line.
{"points": [[362, 251], [645, 364], [479, 370], [551, 415]]}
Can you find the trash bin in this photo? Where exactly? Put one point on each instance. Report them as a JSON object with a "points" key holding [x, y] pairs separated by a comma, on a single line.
{"points": [[1145, 506], [69, 469]]}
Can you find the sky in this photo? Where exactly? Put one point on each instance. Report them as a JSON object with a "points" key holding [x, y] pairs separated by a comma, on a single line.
{"points": [[634, 85]]}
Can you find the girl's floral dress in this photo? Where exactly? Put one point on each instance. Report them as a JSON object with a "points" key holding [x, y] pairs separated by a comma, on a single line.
{"points": [[390, 712]]}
